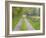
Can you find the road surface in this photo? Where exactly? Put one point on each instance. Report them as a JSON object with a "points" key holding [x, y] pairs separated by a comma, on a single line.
{"points": [[29, 26], [18, 26]]}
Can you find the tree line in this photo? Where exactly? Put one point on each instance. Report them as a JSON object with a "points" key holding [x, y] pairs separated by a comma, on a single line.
{"points": [[17, 11]]}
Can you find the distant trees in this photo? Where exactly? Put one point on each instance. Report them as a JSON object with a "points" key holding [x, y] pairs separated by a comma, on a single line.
{"points": [[17, 11], [35, 12]]}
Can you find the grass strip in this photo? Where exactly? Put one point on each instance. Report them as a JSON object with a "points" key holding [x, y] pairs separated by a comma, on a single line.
{"points": [[23, 27]]}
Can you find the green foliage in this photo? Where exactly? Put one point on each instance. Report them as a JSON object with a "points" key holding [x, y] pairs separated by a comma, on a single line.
{"points": [[16, 11], [35, 22]]}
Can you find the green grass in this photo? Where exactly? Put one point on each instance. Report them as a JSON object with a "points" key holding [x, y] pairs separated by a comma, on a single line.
{"points": [[23, 27], [14, 22], [35, 22]]}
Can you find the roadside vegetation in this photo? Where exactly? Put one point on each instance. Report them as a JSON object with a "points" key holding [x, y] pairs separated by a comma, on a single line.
{"points": [[35, 22]]}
